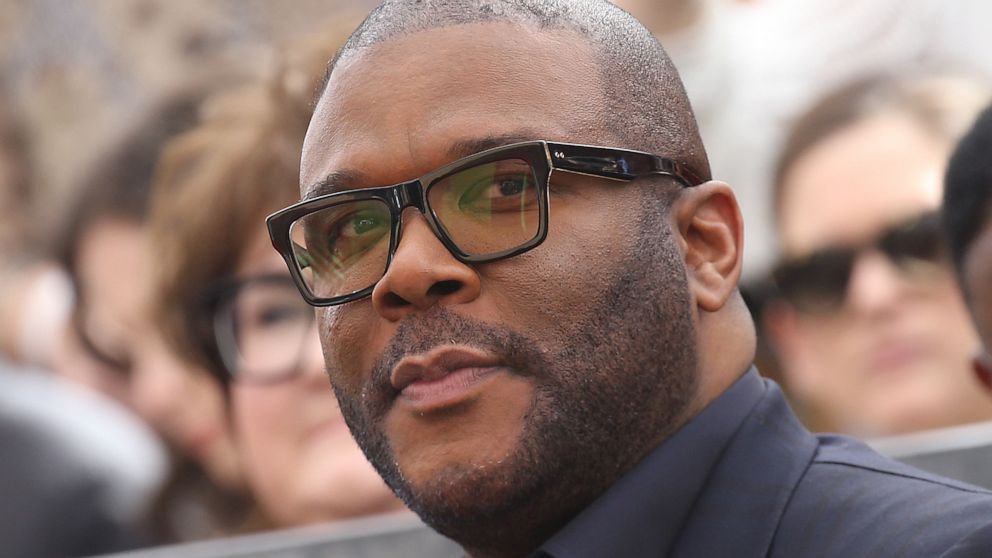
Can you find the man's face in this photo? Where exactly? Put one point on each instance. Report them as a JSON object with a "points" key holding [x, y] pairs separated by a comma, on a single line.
{"points": [[537, 379]]}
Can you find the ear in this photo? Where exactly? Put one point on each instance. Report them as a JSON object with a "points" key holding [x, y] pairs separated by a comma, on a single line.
{"points": [[711, 232]]}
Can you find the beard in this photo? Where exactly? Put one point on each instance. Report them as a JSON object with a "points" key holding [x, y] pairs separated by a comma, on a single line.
{"points": [[607, 389]]}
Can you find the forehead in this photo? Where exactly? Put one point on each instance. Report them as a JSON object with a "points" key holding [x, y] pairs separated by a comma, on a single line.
{"points": [[395, 110], [858, 181]]}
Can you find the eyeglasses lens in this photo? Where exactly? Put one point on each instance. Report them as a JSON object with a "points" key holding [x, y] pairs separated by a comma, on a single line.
{"points": [[489, 208], [913, 244], [268, 324], [818, 283], [344, 248], [484, 210]]}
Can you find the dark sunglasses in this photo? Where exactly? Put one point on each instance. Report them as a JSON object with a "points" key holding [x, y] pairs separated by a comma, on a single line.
{"points": [[483, 208], [817, 283]]}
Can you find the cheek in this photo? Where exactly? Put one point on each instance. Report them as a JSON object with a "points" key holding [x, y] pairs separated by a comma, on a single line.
{"points": [[947, 314], [571, 270], [206, 397], [346, 333], [263, 422]]}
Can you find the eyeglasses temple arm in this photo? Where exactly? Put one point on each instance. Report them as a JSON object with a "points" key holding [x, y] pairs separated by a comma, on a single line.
{"points": [[617, 164]]}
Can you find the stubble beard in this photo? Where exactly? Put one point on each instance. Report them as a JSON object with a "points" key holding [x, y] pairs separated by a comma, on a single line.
{"points": [[612, 387]]}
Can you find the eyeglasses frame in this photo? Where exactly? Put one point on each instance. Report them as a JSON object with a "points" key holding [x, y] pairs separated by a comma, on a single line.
{"points": [[545, 157], [778, 275], [223, 339]]}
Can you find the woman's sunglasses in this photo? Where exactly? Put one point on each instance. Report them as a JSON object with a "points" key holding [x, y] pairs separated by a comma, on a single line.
{"points": [[817, 283]]}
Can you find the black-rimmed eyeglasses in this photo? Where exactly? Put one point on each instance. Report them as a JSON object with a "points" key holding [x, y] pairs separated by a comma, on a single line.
{"points": [[485, 207], [261, 327]]}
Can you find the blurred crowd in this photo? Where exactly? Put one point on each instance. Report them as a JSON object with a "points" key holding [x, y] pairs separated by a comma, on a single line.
{"points": [[161, 379]]}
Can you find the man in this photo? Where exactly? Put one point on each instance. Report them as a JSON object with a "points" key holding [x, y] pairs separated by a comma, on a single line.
{"points": [[561, 367], [967, 200]]}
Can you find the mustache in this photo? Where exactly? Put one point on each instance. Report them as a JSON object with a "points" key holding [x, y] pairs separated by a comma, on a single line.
{"points": [[438, 326]]}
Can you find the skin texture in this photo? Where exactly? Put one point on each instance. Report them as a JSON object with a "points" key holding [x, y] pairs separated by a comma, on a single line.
{"points": [[300, 461], [896, 357], [184, 405], [596, 333]]}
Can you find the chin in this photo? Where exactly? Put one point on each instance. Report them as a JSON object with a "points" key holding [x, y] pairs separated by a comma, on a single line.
{"points": [[458, 494]]}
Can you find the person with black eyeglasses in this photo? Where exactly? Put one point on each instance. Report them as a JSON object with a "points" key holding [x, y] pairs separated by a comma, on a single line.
{"points": [[869, 327], [227, 304], [525, 281]]}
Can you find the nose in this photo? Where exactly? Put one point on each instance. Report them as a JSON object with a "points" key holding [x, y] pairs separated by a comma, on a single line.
{"points": [[423, 273], [875, 286]]}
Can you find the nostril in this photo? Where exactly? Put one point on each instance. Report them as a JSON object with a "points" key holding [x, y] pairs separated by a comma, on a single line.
{"points": [[442, 288], [394, 300]]}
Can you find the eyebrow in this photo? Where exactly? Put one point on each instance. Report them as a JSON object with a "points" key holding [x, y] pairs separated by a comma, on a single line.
{"points": [[333, 183], [466, 147], [348, 180]]}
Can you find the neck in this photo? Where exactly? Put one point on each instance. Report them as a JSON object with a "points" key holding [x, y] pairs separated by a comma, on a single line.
{"points": [[727, 342]]}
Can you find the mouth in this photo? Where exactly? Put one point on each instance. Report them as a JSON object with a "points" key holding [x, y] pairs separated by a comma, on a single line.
{"points": [[442, 377], [894, 356], [199, 443]]}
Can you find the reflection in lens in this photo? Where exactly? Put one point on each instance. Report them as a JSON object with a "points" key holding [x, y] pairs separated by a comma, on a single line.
{"points": [[344, 248], [489, 208]]}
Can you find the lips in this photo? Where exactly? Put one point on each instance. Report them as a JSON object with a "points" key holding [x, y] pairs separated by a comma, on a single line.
{"points": [[893, 356], [199, 443], [442, 375]]}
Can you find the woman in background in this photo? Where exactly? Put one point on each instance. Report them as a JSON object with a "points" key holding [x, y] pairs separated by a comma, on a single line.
{"points": [[870, 328], [114, 346], [227, 302]]}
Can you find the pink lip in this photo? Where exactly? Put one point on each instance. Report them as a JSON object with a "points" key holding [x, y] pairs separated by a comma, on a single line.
{"points": [[443, 376], [199, 443], [895, 355]]}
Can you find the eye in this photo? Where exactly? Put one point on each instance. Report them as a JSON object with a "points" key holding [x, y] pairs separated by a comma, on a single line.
{"points": [[512, 186], [276, 313], [355, 232], [362, 224], [497, 193]]}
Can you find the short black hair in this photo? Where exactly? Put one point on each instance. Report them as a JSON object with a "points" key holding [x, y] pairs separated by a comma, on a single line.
{"points": [[648, 107], [968, 189]]}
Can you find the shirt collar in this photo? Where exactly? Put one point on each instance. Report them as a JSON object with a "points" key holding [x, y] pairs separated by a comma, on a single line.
{"points": [[643, 513]]}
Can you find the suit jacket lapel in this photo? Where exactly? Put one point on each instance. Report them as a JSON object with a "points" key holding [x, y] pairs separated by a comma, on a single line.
{"points": [[748, 491]]}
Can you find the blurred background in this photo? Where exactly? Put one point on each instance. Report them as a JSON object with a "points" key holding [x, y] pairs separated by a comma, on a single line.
{"points": [[76, 73], [832, 119]]}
